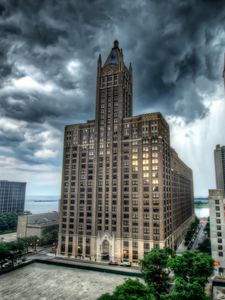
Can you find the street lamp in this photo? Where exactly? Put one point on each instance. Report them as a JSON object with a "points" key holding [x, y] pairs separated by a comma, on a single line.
{"points": [[36, 244], [54, 248]]}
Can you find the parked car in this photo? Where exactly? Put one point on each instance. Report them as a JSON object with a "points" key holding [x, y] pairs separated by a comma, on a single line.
{"points": [[125, 264], [113, 263], [7, 265], [189, 246]]}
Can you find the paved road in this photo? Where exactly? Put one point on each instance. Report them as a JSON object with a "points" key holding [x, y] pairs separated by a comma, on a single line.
{"points": [[77, 262], [200, 237]]}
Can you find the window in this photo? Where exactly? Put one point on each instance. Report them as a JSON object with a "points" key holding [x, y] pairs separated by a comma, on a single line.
{"points": [[220, 253], [155, 161], [146, 246], [155, 181], [135, 254], [125, 243]]}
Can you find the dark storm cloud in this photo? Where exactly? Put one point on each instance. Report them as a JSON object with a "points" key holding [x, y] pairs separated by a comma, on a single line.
{"points": [[176, 48], [185, 42]]}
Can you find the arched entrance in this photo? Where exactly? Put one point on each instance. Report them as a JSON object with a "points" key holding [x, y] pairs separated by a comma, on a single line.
{"points": [[105, 246], [105, 255]]}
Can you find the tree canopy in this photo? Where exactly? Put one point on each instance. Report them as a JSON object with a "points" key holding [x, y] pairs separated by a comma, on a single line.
{"points": [[8, 221], [190, 273], [186, 291], [192, 266], [154, 268], [130, 290]]}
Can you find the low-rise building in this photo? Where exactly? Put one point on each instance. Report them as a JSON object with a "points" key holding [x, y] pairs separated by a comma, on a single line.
{"points": [[33, 225], [217, 228]]}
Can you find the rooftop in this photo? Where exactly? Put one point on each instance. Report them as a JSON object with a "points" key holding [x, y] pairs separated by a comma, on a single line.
{"points": [[40, 281]]}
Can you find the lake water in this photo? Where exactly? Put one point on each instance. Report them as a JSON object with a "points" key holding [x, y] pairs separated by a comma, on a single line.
{"points": [[202, 212], [40, 204]]}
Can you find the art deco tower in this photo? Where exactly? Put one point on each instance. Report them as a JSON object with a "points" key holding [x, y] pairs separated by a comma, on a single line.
{"points": [[124, 190]]}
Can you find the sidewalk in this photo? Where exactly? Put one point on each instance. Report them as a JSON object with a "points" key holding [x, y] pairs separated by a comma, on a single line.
{"points": [[181, 248]]}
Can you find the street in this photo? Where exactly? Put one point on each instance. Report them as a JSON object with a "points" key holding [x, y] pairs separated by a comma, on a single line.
{"points": [[200, 236]]}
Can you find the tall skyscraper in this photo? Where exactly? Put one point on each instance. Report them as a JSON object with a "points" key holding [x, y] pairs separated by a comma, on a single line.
{"points": [[219, 155], [12, 196], [217, 228], [124, 189]]}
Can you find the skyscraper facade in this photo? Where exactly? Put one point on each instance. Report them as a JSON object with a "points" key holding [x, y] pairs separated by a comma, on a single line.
{"points": [[217, 228], [124, 189], [219, 156], [12, 196]]}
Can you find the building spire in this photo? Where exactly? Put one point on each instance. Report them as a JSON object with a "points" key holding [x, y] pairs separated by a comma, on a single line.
{"points": [[116, 44], [99, 64], [99, 59], [115, 56]]}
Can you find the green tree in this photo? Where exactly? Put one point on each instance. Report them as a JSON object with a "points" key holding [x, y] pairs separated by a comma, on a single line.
{"points": [[106, 296], [205, 246], [29, 242], [8, 221], [186, 291], [50, 235], [154, 268], [3, 224], [192, 266], [11, 219], [191, 230], [4, 253], [207, 227], [130, 290]]}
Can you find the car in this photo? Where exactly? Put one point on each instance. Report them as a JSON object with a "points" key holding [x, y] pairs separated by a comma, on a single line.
{"points": [[189, 246], [125, 264], [113, 263], [7, 265]]}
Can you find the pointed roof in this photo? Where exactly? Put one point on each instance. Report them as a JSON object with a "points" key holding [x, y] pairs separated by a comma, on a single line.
{"points": [[115, 56]]}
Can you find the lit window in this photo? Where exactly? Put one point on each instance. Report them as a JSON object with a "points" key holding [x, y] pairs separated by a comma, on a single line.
{"points": [[134, 163], [155, 181], [155, 161]]}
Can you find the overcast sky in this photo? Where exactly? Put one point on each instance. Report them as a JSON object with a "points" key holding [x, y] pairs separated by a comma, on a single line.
{"points": [[48, 54]]}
